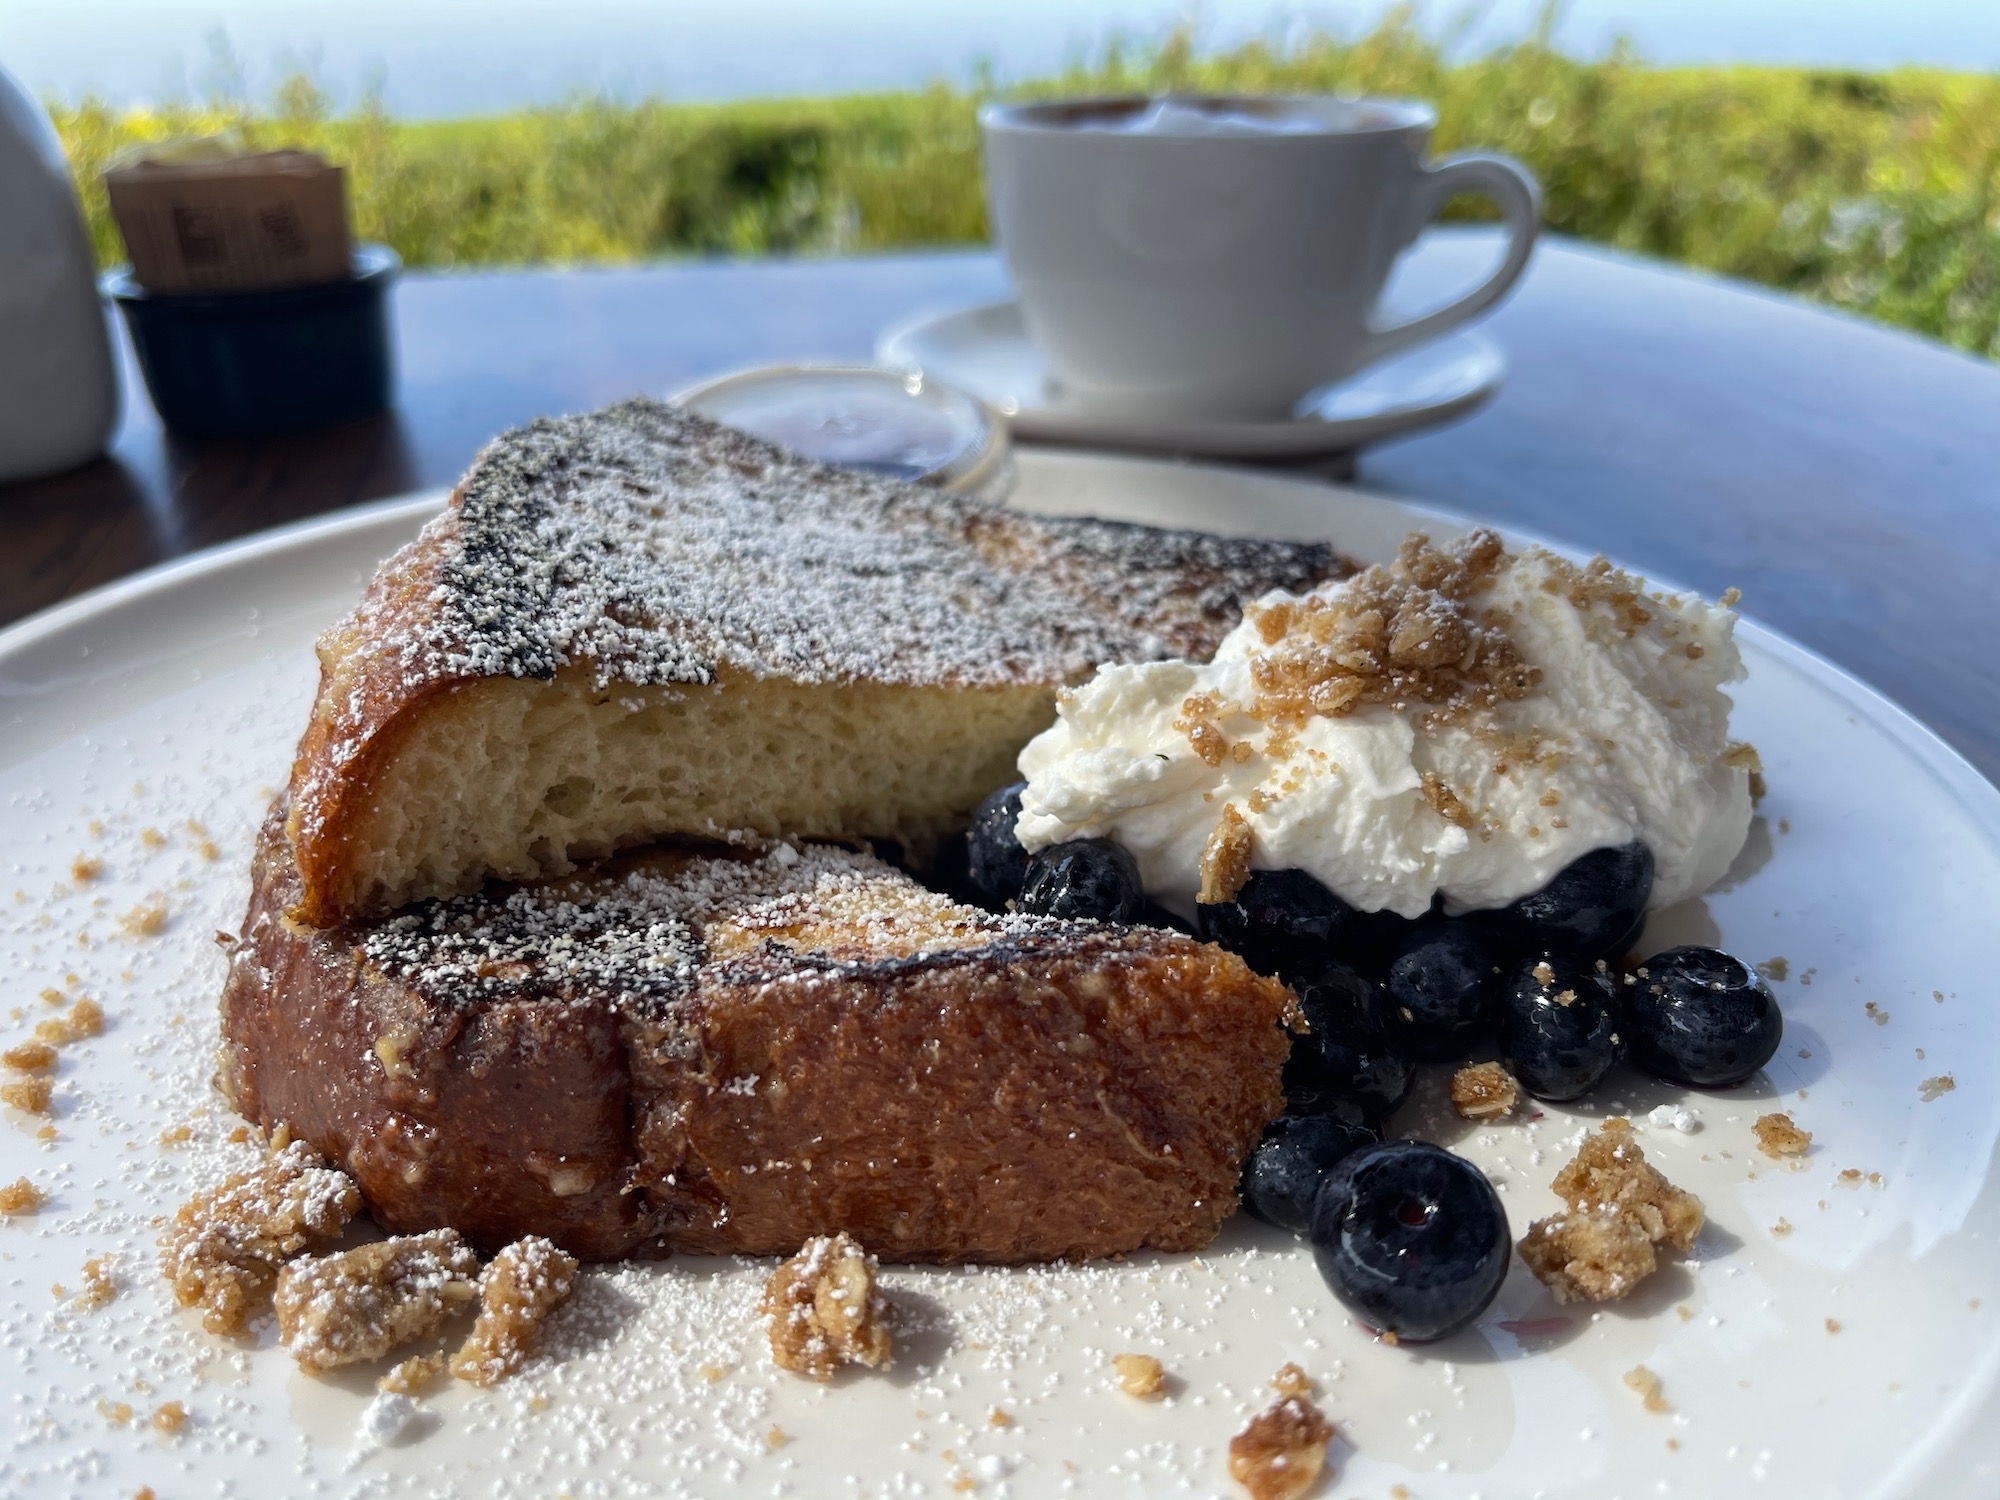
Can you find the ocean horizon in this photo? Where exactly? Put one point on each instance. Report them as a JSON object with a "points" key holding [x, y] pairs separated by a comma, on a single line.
{"points": [[449, 58]]}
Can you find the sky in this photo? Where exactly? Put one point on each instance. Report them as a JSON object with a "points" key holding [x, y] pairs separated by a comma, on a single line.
{"points": [[434, 58]]}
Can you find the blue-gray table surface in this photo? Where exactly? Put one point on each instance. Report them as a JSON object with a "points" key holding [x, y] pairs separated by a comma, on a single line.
{"points": [[1845, 476]]}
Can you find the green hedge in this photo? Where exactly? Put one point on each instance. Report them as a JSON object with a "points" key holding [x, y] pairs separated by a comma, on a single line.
{"points": [[1877, 193]]}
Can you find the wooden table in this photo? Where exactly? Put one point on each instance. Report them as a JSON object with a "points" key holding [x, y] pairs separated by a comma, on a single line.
{"points": [[1845, 477]]}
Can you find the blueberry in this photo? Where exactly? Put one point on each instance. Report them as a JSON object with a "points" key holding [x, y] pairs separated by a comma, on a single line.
{"points": [[1701, 1017], [1283, 1173], [1594, 907], [1283, 921], [995, 861], [1352, 1047], [1443, 982], [1312, 1101], [1412, 1239], [1559, 1025], [1083, 878], [949, 874]]}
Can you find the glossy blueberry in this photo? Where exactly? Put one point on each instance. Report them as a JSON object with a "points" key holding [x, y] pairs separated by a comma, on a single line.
{"points": [[1559, 1022], [1412, 1239], [1283, 1173], [1083, 878], [1701, 1017], [1284, 921], [996, 863], [1443, 983], [1594, 907], [1352, 1046]]}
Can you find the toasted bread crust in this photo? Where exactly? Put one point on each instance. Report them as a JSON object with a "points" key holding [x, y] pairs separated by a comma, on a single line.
{"points": [[855, 1055], [641, 548]]}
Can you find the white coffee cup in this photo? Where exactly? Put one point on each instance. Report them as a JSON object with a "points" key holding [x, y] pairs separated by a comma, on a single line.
{"points": [[1222, 257]]}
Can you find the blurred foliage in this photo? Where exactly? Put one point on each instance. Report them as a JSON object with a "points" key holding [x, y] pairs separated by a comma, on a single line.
{"points": [[1879, 193]]}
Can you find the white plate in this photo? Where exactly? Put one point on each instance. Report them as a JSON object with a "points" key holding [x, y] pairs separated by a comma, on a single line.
{"points": [[179, 694], [987, 351]]}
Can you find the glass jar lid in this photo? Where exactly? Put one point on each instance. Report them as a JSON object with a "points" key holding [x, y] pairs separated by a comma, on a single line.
{"points": [[861, 417]]}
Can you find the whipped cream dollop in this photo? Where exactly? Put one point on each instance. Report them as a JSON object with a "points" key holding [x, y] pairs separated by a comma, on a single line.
{"points": [[1465, 721]]}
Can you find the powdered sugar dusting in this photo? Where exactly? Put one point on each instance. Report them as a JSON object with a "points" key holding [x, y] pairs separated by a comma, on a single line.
{"points": [[658, 547], [640, 937]]}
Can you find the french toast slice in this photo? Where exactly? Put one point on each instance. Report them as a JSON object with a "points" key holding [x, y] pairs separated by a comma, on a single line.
{"points": [[635, 624], [724, 1051]]}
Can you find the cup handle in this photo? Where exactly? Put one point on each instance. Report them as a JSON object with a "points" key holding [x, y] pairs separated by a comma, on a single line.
{"points": [[1519, 197]]}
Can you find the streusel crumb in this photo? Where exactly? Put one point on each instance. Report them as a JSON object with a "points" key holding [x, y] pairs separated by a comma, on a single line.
{"points": [[1225, 858], [1778, 1137], [1589, 1257], [1139, 1375], [147, 919], [30, 1057], [362, 1303], [1197, 722], [1621, 1211], [825, 1311], [85, 1019], [224, 1247], [21, 1197], [1399, 633], [169, 1418], [1611, 1171], [1647, 1384], [1483, 1091], [1292, 1381], [34, 1096], [99, 1286], [1280, 1454], [413, 1376], [520, 1287]]}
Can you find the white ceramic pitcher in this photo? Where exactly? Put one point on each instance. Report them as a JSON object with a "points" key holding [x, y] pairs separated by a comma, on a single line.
{"points": [[58, 385]]}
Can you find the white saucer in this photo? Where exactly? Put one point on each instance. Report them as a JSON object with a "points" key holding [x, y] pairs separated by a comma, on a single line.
{"points": [[986, 351]]}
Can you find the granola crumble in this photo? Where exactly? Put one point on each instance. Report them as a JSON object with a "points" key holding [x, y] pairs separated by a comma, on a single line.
{"points": [[1280, 1454], [362, 1303], [519, 1289], [224, 1247], [1620, 1212], [1483, 1091], [21, 1197], [825, 1311], [1778, 1137]]}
